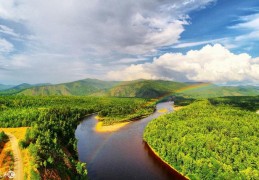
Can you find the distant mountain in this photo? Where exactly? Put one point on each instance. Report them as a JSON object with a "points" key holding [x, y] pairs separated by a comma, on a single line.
{"points": [[145, 88], [212, 90], [77, 88], [22, 86], [4, 87], [19, 88], [136, 88]]}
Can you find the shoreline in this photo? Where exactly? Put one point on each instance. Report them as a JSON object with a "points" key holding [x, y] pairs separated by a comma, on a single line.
{"points": [[171, 168], [164, 110], [177, 108], [100, 128]]}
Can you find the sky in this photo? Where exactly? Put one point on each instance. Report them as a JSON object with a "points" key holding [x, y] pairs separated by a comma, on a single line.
{"points": [[180, 40]]}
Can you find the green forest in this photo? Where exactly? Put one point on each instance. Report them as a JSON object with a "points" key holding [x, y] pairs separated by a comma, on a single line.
{"points": [[215, 138], [210, 139], [53, 120], [18, 111]]}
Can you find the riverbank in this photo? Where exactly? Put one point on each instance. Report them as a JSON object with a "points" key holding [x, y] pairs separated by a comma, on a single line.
{"points": [[177, 174], [177, 108], [100, 128]]}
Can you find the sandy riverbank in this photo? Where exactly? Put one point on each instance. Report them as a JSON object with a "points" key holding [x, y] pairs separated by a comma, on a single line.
{"points": [[177, 108], [164, 110], [100, 128]]}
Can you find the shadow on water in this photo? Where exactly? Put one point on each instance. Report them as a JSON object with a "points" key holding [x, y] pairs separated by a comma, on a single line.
{"points": [[170, 172], [121, 154]]}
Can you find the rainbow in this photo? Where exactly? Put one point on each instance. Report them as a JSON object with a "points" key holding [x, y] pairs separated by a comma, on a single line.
{"points": [[184, 89], [167, 95], [99, 147], [194, 87]]}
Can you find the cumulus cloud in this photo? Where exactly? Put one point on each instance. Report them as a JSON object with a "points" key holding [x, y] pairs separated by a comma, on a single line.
{"points": [[209, 64], [102, 27], [89, 36]]}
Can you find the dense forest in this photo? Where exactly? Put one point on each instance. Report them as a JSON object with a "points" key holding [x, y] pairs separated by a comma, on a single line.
{"points": [[206, 141], [209, 139], [250, 103], [17, 111], [53, 121]]}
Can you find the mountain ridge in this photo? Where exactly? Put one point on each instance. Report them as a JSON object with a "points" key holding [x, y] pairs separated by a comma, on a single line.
{"points": [[137, 88], [4, 87], [77, 88]]}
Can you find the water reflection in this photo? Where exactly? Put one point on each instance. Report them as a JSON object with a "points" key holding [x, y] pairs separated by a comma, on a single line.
{"points": [[121, 154]]}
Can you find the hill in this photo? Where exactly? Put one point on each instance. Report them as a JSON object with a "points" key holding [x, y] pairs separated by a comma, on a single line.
{"points": [[136, 88], [145, 88], [4, 87], [19, 88], [77, 88], [16, 89], [211, 90]]}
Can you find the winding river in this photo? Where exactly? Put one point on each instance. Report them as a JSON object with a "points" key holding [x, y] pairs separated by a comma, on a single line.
{"points": [[121, 154]]}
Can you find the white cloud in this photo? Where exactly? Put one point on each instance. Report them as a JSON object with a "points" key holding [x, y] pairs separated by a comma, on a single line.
{"points": [[254, 35], [209, 64], [5, 46], [102, 27], [129, 60], [89, 36], [37, 68], [192, 44], [251, 25], [7, 30], [248, 22], [227, 42]]}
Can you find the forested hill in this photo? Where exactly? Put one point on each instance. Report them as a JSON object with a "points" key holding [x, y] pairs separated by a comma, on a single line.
{"points": [[212, 90], [146, 88], [136, 88], [77, 88], [11, 90]]}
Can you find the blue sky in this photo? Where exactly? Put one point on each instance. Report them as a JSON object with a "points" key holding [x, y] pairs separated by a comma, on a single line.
{"points": [[215, 22], [180, 40]]}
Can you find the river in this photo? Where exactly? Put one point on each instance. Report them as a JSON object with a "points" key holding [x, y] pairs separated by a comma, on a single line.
{"points": [[121, 154]]}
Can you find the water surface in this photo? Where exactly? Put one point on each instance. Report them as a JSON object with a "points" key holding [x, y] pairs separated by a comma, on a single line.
{"points": [[121, 154]]}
